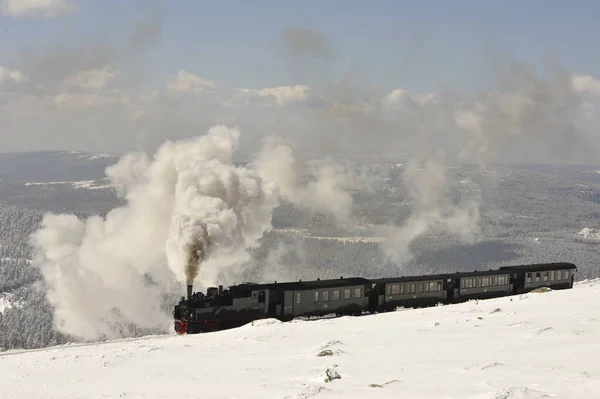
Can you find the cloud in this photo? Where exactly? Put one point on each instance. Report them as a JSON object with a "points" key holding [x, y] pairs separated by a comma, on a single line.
{"points": [[184, 82], [83, 101], [8, 75], [286, 94], [45, 8], [586, 84], [96, 78], [93, 96]]}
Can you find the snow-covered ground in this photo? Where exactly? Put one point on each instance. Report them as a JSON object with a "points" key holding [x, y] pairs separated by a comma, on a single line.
{"points": [[5, 301], [84, 184], [539, 345], [589, 234]]}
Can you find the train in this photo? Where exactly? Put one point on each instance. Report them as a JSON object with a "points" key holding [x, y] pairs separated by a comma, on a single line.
{"points": [[240, 304]]}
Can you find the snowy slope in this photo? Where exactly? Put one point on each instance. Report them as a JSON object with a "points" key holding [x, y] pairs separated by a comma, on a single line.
{"points": [[542, 345]]}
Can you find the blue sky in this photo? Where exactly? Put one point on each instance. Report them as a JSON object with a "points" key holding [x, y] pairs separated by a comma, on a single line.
{"points": [[418, 45]]}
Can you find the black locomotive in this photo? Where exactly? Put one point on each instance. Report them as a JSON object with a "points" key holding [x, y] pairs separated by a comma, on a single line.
{"points": [[221, 309]]}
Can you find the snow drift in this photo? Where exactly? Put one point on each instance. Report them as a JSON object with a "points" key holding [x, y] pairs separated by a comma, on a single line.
{"points": [[530, 346]]}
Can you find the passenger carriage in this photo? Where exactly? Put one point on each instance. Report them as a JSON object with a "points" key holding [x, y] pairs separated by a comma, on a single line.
{"points": [[526, 278]]}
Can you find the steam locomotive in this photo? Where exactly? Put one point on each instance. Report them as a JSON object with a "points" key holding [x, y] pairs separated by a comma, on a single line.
{"points": [[221, 309]]}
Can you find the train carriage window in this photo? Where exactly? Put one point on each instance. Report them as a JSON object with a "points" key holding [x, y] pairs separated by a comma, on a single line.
{"points": [[566, 274], [551, 275], [412, 288], [401, 288], [325, 296], [357, 293], [395, 289], [421, 287], [347, 293], [545, 276], [388, 289], [537, 277], [336, 295], [298, 297], [558, 275], [316, 296], [425, 287], [439, 285], [528, 277]]}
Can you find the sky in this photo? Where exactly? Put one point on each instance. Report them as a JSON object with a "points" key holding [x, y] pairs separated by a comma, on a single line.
{"points": [[341, 50]]}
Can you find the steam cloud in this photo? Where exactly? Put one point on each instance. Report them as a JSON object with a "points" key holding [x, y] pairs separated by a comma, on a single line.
{"points": [[188, 205], [328, 192]]}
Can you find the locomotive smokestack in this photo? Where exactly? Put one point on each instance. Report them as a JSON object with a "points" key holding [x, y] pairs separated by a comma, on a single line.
{"points": [[189, 291]]}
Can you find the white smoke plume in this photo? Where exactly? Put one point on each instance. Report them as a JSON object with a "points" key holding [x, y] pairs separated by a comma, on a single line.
{"points": [[326, 189], [427, 184], [527, 118], [188, 210]]}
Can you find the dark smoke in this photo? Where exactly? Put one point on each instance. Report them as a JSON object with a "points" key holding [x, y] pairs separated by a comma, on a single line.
{"points": [[197, 253]]}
